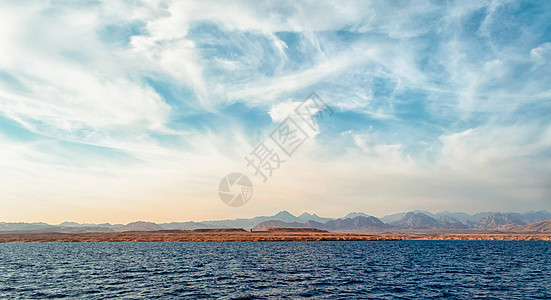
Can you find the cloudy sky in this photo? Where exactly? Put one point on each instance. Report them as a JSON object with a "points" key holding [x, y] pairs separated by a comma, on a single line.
{"points": [[119, 111]]}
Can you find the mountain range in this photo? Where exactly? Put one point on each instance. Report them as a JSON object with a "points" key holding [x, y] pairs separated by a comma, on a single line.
{"points": [[352, 222]]}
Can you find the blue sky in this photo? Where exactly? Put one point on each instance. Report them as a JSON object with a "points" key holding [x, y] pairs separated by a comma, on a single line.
{"points": [[114, 111]]}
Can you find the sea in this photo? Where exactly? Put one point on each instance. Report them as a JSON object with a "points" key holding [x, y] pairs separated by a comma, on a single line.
{"points": [[277, 270]]}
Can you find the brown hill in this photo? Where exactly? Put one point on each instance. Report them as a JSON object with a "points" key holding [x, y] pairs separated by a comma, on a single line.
{"points": [[541, 226], [219, 230], [278, 224], [281, 229], [448, 222], [358, 223], [141, 226], [416, 221]]}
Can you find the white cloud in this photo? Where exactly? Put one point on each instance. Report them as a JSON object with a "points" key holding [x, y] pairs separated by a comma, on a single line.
{"points": [[281, 111], [542, 53], [75, 86]]}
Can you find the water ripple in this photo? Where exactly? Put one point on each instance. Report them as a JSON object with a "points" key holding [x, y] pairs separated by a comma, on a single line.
{"points": [[279, 270]]}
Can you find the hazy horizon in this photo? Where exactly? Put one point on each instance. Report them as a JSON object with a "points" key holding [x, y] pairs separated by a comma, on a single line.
{"points": [[270, 214], [125, 111]]}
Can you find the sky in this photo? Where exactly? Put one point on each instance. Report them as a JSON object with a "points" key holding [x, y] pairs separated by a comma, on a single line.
{"points": [[117, 111]]}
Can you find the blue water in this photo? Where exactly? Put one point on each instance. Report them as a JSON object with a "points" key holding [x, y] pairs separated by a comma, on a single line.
{"points": [[234, 270]]}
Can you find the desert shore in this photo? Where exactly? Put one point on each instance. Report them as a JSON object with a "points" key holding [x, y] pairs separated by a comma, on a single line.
{"points": [[269, 235], [196, 235]]}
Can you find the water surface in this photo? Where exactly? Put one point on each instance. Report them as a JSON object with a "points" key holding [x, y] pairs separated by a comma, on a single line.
{"points": [[234, 270]]}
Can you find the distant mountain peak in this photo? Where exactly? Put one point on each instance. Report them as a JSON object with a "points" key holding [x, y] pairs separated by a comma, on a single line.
{"points": [[354, 214], [141, 226], [284, 213], [359, 223], [500, 219], [305, 217], [448, 219], [69, 224], [417, 220], [353, 221]]}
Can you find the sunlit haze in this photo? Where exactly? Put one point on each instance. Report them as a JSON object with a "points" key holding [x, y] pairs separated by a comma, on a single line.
{"points": [[120, 111]]}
